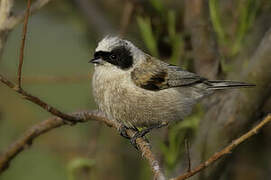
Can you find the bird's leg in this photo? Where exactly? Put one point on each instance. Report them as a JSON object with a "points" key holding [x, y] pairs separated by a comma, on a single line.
{"points": [[124, 134], [143, 132]]}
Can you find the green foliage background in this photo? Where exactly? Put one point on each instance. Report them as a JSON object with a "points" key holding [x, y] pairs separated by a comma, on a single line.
{"points": [[60, 44]]}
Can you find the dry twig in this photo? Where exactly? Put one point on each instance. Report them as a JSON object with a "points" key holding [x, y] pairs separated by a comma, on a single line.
{"points": [[226, 150], [21, 58]]}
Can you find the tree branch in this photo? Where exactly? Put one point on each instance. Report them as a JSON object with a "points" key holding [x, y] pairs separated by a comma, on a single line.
{"points": [[21, 58], [226, 150], [27, 138], [39, 129]]}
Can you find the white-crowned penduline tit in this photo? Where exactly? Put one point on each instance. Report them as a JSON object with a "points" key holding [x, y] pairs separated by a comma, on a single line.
{"points": [[138, 90]]}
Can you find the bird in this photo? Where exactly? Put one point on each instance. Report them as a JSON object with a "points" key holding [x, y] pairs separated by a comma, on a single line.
{"points": [[138, 90]]}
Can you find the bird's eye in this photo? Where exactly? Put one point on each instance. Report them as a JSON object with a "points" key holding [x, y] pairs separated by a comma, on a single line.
{"points": [[113, 56]]}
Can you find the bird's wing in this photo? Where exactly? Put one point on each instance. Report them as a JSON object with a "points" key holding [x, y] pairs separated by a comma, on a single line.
{"points": [[157, 75]]}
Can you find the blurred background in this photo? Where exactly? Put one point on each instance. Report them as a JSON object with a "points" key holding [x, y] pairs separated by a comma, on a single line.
{"points": [[214, 38]]}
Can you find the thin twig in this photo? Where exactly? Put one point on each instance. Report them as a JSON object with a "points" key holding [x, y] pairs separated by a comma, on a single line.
{"points": [[226, 150], [144, 147], [187, 147], [21, 58]]}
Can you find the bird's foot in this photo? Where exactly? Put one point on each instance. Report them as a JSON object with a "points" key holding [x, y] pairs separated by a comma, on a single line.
{"points": [[142, 133], [123, 132], [139, 134]]}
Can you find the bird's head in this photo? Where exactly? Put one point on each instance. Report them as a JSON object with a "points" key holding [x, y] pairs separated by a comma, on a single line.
{"points": [[113, 52]]}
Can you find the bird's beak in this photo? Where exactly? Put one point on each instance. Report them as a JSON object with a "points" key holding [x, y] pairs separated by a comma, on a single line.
{"points": [[96, 61]]}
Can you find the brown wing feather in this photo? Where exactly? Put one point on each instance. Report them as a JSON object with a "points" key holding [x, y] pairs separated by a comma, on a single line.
{"points": [[157, 75], [150, 76]]}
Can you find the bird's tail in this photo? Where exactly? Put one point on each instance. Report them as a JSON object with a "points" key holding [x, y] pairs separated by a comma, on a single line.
{"points": [[224, 84]]}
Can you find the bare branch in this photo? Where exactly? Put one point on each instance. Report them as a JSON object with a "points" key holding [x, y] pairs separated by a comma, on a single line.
{"points": [[226, 150], [21, 58], [144, 147], [84, 116], [41, 128]]}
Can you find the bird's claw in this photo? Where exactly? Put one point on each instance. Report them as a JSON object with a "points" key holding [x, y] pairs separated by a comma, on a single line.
{"points": [[123, 132], [139, 134]]}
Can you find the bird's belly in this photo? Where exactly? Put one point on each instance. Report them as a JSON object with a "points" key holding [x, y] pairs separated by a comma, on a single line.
{"points": [[134, 106]]}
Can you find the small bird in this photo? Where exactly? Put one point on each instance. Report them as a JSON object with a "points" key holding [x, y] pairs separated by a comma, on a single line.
{"points": [[140, 91]]}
